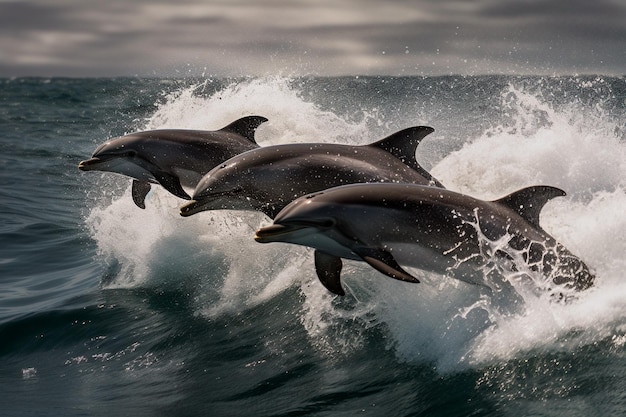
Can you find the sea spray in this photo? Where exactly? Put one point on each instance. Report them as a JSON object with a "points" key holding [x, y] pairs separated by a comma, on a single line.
{"points": [[147, 243], [546, 146], [231, 271], [291, 119], [455, 326], [442, 321], [542, 143], [179, 339]]}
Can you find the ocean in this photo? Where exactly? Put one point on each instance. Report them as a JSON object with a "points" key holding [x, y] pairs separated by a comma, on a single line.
{"points": [[107, 309]]}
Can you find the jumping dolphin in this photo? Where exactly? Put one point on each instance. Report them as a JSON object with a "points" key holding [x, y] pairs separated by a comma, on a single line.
{"points": [[388, 225], [267, 179], [174, 158]]}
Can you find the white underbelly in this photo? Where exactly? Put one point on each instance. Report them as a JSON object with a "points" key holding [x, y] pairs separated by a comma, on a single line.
{"points": [[320, 241], [124, 167]]}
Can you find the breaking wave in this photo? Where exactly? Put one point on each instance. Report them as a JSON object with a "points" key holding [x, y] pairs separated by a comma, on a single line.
{"points": [[539, 132]]}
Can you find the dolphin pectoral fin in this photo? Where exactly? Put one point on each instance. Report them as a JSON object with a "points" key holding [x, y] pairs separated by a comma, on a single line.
{"points": [[328, 269], [384, 262], [139, 191], [172, 184]]}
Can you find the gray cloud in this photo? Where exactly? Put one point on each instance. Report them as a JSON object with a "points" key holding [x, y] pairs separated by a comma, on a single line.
{"points": [[245, 37]]}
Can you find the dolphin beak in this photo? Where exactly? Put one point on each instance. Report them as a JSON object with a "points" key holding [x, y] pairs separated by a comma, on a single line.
{"points": [[191, 208], [273, 233], [87, 165]]}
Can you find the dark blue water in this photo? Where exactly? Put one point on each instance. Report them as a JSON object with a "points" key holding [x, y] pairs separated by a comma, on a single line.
{"points": [[106, 309]]}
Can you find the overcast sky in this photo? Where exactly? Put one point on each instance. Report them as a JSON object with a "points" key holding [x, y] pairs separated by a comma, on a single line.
{"points": [[320, 37]]}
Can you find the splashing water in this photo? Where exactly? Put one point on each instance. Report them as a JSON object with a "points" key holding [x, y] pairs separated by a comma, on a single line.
{"points": [[442, 320], [291, 119]]}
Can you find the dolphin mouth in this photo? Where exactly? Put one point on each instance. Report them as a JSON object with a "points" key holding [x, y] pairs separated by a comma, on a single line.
{"points": [[277, 231], [191, 208], [88, 164], [274, 232]]}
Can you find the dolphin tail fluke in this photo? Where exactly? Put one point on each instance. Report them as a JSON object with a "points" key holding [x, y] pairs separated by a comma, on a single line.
{"points": [[328, 269], [384, 262], [246, 126], [139, 191], [403, 145]]}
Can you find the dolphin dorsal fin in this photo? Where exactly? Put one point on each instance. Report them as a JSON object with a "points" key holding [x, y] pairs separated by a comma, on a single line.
{"points": [[328, 269], [246, 126], [403, 145], [529, 201]]}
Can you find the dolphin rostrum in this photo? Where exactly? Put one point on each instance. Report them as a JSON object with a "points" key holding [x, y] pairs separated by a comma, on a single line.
{"points": [[267, 179], [173, 158], [389, 225]]}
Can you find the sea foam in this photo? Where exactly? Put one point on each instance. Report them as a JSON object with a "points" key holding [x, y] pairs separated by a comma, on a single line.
{"points": [[449, 323]]}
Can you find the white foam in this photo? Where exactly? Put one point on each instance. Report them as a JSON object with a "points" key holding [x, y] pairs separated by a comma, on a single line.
{"points": [[449, 323], [213, 253], [146, 243], [567, 151], [291, 119], [456, 325]]}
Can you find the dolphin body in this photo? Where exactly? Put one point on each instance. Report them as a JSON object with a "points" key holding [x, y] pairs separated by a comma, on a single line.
{"points": [[267, 179], [173, 158], [388, 225]]}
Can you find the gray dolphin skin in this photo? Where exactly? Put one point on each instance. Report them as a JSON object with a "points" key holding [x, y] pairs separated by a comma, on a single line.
{"points": [[388, 225], [173, 158], [267, 179]]}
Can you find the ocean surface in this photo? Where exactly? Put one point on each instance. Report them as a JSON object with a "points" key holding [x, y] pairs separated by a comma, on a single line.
{"points": [[110, 310]]}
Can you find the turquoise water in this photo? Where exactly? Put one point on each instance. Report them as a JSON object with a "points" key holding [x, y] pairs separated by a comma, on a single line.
{"points": [[109, 309]]}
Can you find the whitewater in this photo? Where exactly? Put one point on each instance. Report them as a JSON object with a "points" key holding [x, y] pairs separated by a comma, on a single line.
{"points": [[243, 326]]}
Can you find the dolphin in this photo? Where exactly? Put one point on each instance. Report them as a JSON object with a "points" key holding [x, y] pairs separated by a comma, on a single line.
{"points": [[267, 179], [433, 229], [173, 158]]}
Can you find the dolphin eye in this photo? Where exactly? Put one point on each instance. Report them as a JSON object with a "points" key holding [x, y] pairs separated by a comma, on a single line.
{"points": [[131, 153]]}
